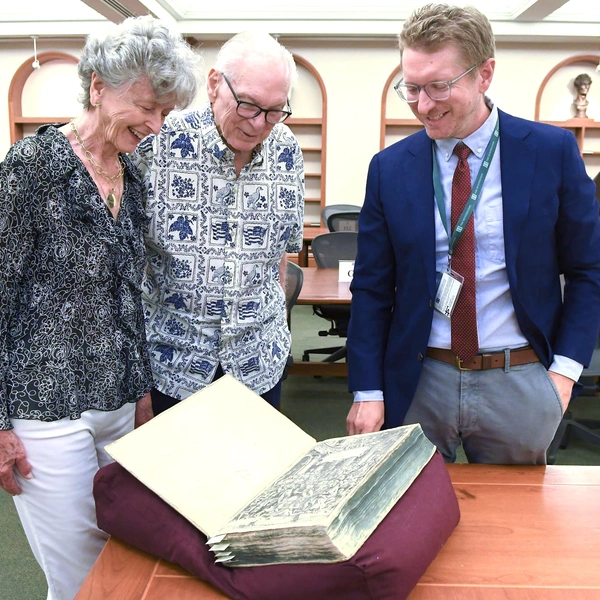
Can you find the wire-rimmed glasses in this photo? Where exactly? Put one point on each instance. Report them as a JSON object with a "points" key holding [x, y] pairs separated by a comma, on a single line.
{"points": [[436, 90]]}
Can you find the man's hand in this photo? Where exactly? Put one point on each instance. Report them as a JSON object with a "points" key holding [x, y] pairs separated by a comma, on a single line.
{"points": [[143, 410], [12, 456], [365, 417], [564, 385]]}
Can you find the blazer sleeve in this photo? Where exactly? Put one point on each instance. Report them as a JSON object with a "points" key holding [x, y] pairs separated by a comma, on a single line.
{"points": [[372, 287], [578, 251]]}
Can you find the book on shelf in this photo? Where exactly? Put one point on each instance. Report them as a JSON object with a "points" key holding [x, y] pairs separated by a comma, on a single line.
{"points": [[261, 489]]}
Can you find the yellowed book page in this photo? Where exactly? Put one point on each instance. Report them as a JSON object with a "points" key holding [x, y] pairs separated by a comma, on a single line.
{"points": [[209, 455]]}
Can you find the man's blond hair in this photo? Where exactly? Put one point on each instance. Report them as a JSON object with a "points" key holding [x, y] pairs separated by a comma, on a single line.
{"points": [[434, 26]]}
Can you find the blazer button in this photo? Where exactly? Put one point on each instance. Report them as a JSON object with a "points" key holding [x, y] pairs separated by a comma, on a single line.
{"points": [[420, 356], [430, 303]]}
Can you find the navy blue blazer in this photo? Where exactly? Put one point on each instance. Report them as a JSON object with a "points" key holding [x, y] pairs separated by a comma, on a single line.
{"points": [[551, 226]]}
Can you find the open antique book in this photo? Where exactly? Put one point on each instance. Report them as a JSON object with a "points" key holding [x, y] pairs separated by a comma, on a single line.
{"points": [[261, 489]]}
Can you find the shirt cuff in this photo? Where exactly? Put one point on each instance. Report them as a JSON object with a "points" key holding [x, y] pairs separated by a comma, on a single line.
{"points": [[368, 396], [566, 366]]}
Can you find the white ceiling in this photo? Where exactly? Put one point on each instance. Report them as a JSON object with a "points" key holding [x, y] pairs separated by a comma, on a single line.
{"points": [[527, 20]]}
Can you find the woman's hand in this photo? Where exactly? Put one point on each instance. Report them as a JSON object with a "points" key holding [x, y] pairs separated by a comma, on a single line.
{"points": [[12, 455], [143, 410]]}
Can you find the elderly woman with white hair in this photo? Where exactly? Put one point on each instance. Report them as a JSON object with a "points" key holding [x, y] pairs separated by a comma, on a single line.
{"points": [[74, 368]]}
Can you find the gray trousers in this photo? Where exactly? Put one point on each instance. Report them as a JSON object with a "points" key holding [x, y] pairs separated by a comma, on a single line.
{"points": [[500, 416]]}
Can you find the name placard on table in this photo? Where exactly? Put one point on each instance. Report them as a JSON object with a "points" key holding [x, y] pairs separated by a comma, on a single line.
{"points": [[346, 271]]}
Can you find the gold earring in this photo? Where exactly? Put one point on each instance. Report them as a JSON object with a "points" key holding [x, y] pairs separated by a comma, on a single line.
{"points": [[97, 104]]}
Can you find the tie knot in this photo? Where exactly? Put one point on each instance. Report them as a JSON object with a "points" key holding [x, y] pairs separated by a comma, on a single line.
{"points": [[462, 150]]}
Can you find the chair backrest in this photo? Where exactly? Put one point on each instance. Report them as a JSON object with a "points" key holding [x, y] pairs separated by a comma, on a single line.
{"points": [[293, 284], [329, 248], [343, 221], [332, 209]]}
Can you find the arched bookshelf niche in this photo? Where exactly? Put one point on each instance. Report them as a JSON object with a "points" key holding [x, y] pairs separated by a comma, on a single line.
{"points": [[20, 124], [554, 105], [309, 124], [397, 120]]}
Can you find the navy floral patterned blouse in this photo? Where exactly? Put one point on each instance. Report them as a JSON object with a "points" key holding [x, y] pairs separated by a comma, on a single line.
{"points": [[71, 321]]}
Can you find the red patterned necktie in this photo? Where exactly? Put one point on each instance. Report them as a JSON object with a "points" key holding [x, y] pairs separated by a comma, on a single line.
{"points": [[465, 342]]}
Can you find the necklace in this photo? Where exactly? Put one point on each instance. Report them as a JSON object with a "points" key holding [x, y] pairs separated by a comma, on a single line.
{"points": [[111, 199]]}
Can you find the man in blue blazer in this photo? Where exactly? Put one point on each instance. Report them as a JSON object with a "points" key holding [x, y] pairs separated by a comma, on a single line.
{"points": [[534, 219]]}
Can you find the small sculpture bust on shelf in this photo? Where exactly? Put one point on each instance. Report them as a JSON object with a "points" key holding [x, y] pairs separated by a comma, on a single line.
{"points": [[582, 85]]}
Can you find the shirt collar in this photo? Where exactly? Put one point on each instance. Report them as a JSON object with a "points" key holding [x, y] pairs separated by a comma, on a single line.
{"points": [[477, 141]]}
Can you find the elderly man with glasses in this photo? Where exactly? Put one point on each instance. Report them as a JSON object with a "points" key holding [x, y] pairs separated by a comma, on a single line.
{"points": [[225, 204], [459, 321]]}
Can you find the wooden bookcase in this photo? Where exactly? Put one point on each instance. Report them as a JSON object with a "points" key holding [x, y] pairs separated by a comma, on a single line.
{"points": [[311, 132], [586, 130], [394, 129], [18, 122]]}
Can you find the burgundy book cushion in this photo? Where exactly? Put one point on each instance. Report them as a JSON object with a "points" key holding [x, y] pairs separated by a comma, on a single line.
{"points": [[386, 567]]}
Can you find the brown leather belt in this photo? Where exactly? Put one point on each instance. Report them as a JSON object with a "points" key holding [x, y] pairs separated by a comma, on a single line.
{"points": [[482, 362]]}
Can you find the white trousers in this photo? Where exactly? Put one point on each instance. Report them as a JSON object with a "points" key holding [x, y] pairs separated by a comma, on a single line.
{"points": [[56, 506]]}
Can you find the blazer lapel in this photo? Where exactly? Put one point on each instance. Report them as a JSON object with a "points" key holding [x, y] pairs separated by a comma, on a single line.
{"points": [[418, 175], [517, 167]]}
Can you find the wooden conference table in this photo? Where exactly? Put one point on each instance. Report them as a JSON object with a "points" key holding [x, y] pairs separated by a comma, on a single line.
{"points": [[321, 286], [526, 533]]}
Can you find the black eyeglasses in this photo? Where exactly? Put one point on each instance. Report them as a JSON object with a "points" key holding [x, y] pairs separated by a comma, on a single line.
{"points": [[247, 110], [436, 90]]}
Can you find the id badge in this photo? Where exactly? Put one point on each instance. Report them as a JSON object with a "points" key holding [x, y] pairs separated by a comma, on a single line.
{"points": [[447, 292]]}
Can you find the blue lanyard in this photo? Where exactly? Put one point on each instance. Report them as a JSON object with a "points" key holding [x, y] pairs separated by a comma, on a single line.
{"points": [[473, 199]]}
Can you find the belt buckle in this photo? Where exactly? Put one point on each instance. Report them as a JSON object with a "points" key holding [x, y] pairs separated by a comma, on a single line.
{"points": [[459, 364]]}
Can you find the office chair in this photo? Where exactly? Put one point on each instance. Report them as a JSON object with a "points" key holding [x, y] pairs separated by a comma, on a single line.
{"points": [[293, 284], [343, 221], [341, 217], [328, 249], [583, 428]]}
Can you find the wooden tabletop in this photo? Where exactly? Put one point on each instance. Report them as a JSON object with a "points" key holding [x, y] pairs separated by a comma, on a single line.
{"points": [[526, 533], [321, 286]]}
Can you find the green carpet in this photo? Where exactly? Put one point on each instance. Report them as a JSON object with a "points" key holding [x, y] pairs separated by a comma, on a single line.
{"points": [[20, 576]]}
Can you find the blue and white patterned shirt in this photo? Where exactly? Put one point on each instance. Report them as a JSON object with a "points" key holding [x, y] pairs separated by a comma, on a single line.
{"points": [[215, 241]]}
